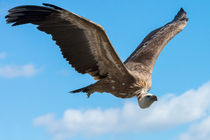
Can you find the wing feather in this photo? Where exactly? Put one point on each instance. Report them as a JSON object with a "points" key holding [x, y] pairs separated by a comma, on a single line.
{"points": [[83, 43], [144, 57]]}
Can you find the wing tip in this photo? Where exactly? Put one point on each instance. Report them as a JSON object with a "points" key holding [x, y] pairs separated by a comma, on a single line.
{"points": [[182, 10], [181, 15], [30, 13]]}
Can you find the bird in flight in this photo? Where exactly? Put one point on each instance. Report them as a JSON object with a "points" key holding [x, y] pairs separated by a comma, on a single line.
{"points": [[87, 48]]}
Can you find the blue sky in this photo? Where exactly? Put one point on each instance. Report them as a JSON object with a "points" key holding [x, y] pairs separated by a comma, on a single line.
{"points": [[35, 79]]}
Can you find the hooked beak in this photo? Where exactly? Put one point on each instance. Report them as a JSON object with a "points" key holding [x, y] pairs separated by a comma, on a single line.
{"points": [[155, 98]]}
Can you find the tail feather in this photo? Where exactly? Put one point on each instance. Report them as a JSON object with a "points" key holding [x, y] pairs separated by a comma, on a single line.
{"points": [[85, 90]]}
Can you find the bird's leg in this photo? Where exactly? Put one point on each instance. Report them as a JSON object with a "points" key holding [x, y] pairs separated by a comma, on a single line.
{"points": [[88, 95]]}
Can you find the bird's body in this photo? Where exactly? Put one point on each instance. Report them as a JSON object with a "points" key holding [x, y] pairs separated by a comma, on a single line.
{"points": [[85, 45], [119, 88]]}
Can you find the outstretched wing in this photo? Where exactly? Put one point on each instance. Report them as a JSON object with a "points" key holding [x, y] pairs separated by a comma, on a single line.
{"points": [[84, 44], [144, 57]]}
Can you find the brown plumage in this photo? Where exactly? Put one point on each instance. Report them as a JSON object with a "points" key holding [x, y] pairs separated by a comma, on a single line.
{"points": [[85, 45]]}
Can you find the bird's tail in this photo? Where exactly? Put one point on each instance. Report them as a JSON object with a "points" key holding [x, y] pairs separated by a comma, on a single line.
{"points": [[86, 89]]}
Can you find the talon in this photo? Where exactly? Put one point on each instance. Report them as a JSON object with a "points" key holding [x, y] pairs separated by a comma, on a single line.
{"points": [[88, 95]]}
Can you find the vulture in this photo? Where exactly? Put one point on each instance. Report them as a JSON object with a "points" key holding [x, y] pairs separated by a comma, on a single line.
{"points": [[87, 48]]}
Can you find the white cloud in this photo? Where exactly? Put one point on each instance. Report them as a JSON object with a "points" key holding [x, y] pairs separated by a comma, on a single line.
{"points": [[12, 71], [198, 131], [2, 55], [168, 112]]}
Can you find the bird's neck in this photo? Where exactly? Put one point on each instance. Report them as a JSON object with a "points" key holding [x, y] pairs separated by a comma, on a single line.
{"points": [[140, 93]]}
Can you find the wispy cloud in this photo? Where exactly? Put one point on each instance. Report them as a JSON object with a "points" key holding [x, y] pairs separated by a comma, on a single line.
{"points": [[12, 71], [2, 55], [168, 112], [198, 131]]}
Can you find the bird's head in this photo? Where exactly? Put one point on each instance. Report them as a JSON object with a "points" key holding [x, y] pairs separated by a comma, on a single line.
{"points": [[146, 100]]}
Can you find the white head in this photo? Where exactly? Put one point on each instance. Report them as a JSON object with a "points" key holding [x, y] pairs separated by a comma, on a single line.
{"points": [[146, 100]]}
